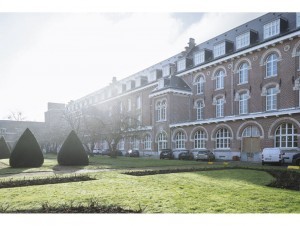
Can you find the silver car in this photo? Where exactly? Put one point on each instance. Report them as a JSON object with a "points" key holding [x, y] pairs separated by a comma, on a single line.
{"points": [[205, 155]]}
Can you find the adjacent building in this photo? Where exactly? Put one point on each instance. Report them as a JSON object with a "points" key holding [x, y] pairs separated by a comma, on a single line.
{"points": [[234, 94]]}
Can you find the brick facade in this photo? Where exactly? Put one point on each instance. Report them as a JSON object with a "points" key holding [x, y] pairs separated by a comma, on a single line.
{"points": [[281, 89]]}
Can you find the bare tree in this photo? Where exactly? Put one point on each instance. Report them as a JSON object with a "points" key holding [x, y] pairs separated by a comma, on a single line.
{"points": [[111, 125], [16, 116]]}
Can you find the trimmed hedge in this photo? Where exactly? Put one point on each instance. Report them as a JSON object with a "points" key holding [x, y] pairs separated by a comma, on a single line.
{"points": [[72, 152], [4, 149], [27, 152]]}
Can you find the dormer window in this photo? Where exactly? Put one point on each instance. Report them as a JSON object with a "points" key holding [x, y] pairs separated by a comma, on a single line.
{"points": [[219, 49], [181, 64], [275, 28], [199, 57], [243, 40], [166, 70], [161, 84]]}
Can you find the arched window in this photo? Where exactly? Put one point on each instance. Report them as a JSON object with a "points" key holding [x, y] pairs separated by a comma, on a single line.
{"points": [[286, 136], [251, 131], [271, 99], [220, 79], [243, 73], [199, 139], [200, 84], [162, 141], [180, 140], [223, 139], [271, 65], [243, 103], [200, 109]]}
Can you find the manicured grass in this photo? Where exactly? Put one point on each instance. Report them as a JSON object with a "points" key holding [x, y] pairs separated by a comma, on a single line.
{"points": [[222, 191]]}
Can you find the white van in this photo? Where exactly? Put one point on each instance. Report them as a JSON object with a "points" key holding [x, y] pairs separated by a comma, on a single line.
{"points": [[272, 155]]}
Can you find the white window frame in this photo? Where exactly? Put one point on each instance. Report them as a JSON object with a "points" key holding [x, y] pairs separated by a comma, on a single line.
{"points": [[200, 139], [243, 73], [251, 131], [180, 139], [286, 134], [200, 109], [134, 143], [271, 65], [271, 99], [223, 139], [199, 57], [121, 144], [129, 104], [219, 50], [138, 102], [220, 76], [181, 64], [166, 70], [272, 29], [162, 141], [200, 84], [243, 103], [160, 109], [220, 107], [147, 142], [243, 40]]}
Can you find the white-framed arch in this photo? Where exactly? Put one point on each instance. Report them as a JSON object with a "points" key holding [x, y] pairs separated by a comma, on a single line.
{"points": [[238, 93], [197, 129], [239, 63], [267, 53], [213, 77], [197, 76], [266, 86], [223, 125], [279, 121], [296, 50], [217, 97], [179, 130], [246, 124]]}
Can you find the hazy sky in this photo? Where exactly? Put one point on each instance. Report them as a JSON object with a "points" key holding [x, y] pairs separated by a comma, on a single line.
{"points": [[58, 57]]}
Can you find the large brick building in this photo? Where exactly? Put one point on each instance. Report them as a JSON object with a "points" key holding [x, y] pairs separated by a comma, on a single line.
{"points": [[233, 94]]}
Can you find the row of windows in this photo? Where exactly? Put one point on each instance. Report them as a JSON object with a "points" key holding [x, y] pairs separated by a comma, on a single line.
{"points": [[285, 137], [243, 74]]}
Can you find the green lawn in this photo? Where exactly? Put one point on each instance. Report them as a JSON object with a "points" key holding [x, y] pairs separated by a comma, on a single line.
{"points": [[222, 191]]}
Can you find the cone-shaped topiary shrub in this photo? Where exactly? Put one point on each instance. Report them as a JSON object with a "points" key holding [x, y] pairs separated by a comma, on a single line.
{"points": [[72, 152], [27, 152], [4, 149]]}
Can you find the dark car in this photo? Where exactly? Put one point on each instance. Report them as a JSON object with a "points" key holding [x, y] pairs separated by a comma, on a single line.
{"points": [[205, 155], [166, 154], [186, 155], [132, 153], [296, 159]]}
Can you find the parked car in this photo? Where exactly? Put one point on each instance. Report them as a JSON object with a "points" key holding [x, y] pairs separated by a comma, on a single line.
{"points": [[272, 155], [296, 159], [166, 154], [97, 152], [186, 155], [132, 153], [105, 152], [205, 155]]}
